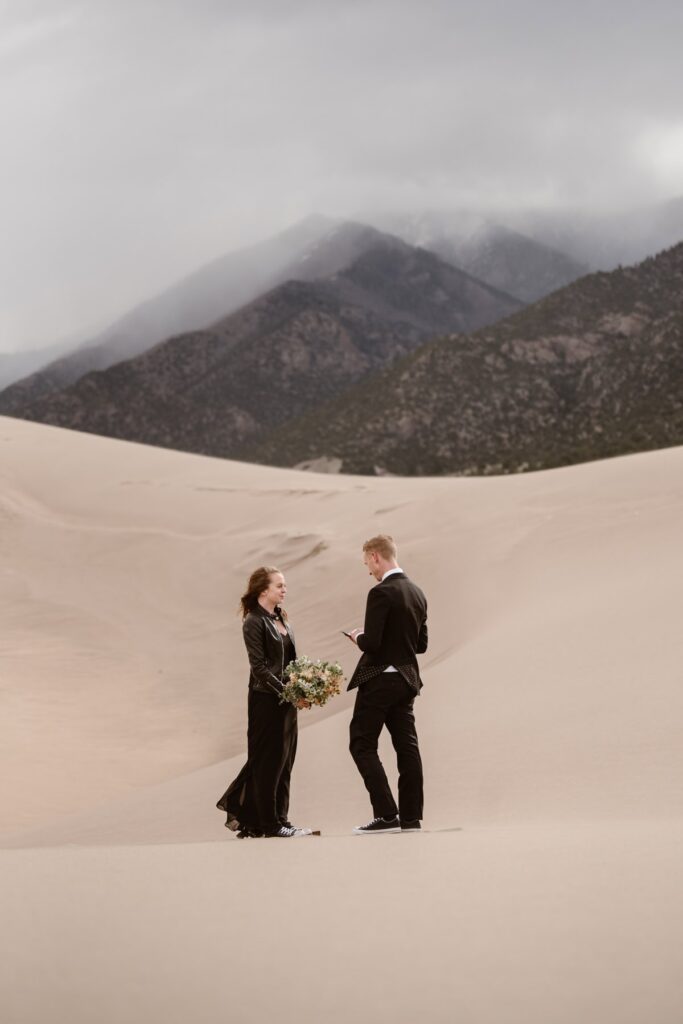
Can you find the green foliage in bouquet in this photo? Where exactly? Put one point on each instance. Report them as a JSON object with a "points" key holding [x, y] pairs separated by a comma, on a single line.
{"points": [[311, 682]]}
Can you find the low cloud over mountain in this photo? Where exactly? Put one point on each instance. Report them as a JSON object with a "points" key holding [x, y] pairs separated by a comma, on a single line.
{"points": [[215, 390]]}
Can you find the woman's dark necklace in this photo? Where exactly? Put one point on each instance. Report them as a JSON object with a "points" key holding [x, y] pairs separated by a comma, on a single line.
{"points": [[276, 616]]}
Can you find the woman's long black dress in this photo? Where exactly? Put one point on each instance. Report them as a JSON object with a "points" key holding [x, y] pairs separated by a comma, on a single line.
{"points": [[257, 801]]}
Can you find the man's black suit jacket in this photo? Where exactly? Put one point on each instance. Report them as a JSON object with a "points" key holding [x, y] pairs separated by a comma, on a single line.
{"points": [[395, 631]]}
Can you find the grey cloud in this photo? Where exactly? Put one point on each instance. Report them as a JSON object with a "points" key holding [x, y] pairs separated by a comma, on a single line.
{"points": [[144, 138]]}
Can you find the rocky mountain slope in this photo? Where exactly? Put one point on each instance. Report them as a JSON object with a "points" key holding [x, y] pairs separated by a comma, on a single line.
{"points": [[215, 390], [592, 371], [314, 249]]}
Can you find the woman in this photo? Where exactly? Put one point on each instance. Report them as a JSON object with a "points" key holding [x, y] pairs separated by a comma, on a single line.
{"points": [[257, 801]]}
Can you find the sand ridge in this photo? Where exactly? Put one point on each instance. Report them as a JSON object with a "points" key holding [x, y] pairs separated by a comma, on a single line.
{"points": [[552, 608], [550, 725]]}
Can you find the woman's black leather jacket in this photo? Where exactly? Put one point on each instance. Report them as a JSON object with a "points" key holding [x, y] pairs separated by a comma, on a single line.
{"points": [[266, 650]]}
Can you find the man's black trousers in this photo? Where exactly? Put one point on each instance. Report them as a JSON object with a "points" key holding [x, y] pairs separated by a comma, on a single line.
{"points": [[387, 700]]}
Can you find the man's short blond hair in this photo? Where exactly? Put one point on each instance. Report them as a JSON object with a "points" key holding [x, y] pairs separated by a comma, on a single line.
{"points": [[382, 545]]}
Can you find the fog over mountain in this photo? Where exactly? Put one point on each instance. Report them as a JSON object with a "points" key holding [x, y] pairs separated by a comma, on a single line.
{"points": [[503, 258], [576, 240], [605, 240], [317, 247], [143, 140], [211, 292], [15, 365], [214, 390]]}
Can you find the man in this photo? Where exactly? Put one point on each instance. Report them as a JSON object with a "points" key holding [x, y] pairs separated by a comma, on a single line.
{"points": [[388, 680]]}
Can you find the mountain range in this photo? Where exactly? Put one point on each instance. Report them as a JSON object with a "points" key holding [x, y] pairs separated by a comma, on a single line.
{"points": [[302, 343], [591, 371], [314, 248], [526, 253], [372, 355]]}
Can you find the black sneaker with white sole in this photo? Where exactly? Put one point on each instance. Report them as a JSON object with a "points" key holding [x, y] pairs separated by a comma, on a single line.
{"points": [[298, 828], [411, 826], [378, 826], [283, 832]]}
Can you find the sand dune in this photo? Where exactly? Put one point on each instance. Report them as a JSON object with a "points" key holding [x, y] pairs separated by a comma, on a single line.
{"points": [[550, 722]]}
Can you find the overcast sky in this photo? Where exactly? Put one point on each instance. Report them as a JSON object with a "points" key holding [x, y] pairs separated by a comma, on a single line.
{"points": [[141, 138]]}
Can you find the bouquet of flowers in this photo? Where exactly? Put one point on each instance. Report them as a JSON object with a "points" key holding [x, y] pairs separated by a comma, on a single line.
{"points": [[311, 682]]}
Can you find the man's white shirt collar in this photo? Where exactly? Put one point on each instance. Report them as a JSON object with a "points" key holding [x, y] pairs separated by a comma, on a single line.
{"points": [[389, 572]]}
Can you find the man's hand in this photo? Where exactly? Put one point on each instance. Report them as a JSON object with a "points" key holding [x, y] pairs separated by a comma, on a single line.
{"points": [[353, 635]]}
